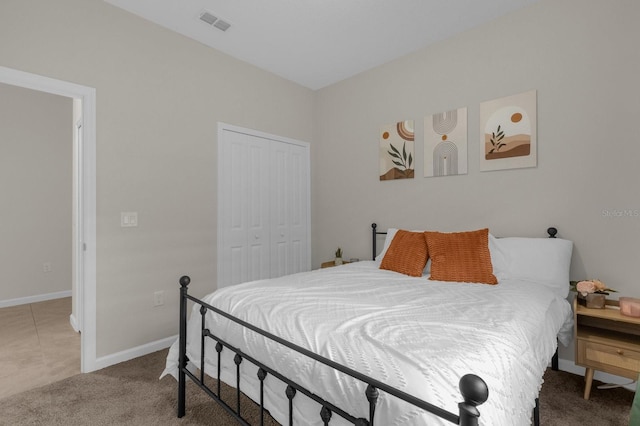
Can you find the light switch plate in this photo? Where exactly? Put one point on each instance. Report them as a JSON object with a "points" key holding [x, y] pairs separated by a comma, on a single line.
{"points": [[128, 219]]}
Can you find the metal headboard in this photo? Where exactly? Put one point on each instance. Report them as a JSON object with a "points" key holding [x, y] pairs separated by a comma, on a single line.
{"points": [[374, 234]]}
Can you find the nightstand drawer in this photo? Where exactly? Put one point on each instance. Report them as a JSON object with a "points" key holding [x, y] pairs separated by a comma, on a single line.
{"points": [[596, 354]]}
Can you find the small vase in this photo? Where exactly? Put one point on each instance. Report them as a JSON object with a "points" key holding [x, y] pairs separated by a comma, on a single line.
{"points": [[593, 300], [338, 261]]}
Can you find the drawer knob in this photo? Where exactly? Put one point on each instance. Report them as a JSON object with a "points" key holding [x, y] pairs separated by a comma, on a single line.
{"points": [[620, 352]]}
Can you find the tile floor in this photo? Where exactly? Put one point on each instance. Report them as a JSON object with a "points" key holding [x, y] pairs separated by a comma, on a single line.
{"points": [[37, 345]]}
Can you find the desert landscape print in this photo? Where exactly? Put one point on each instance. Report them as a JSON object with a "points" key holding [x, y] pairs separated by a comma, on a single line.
{"points": [[508, 132], [397, 151]]}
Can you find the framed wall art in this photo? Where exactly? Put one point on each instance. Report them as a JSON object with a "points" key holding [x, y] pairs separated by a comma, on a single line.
{"points": [[508, 137], [445, 143], [397, 151]]}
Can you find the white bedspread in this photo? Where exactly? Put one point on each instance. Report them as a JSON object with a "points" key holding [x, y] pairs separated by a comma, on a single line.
{"points": [[417, 335]]}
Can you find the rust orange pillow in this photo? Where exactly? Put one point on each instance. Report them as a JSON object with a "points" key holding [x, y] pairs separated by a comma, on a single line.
{"points": [[406, 254], [460, 256]]}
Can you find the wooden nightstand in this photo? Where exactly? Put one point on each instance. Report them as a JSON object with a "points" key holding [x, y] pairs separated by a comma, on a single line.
{"points": [[331, 263], [606, 341]]}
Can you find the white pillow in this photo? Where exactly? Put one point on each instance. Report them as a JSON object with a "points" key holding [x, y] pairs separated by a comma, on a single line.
{"points": [[499, 259], [542, 260]]}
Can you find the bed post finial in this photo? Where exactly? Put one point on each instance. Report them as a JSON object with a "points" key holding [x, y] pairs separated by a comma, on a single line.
{"points": [[552, 232], [474, 390], [184, 281]]}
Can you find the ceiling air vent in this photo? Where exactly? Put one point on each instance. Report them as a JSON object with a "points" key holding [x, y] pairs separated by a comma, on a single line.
{"points": [[213, 20], [208, 18], [222, 25]]}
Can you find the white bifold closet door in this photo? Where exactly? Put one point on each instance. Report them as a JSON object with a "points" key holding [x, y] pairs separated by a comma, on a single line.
{"points": [[263, 206]]}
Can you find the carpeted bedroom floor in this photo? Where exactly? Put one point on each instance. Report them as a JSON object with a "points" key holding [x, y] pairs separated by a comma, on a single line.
{"points": [[131, 394]]}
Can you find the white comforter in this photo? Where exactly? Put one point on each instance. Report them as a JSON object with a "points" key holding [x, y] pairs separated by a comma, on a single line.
{"points": [[417, 335]]}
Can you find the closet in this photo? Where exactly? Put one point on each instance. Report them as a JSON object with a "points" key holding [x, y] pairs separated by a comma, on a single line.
{"points": [[263, 206]]}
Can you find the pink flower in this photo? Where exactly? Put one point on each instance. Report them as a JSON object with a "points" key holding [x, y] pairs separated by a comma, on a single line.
{"points": [[599, 285], [586, 287], [590, 286]]}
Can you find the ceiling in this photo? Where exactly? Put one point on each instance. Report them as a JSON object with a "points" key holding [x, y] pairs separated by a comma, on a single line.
{"points": [[316, 43]]}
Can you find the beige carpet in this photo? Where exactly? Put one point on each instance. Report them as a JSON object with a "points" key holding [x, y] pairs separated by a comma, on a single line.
{"points": [[131, 394]]}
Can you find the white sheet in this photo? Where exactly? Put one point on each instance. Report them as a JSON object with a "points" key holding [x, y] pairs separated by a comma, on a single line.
{"points": [[417, 335]]}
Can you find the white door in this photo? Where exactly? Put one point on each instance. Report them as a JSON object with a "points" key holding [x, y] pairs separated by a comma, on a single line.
{"points": [[289, 209], [263, 206], [257, 209], [299, 223], [243, 209]]}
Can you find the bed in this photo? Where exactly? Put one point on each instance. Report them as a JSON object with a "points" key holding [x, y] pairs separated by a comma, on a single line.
{"points": [[362, 341]]}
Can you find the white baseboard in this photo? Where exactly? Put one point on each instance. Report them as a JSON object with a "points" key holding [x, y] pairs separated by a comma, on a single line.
{"points": [[132, 353], [74, 323], [571, 367], [34, 299]]}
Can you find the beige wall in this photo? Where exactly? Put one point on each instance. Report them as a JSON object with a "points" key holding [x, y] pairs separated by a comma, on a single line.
{"points": [[35, 192], [159, 98], [582, 59]]}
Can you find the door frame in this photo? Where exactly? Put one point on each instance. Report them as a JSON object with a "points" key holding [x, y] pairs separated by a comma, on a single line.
{"points": [[85, 221]]}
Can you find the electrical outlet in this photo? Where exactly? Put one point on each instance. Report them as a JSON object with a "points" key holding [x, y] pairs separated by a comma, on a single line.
{"points": [[47, 267], [158, 298]]}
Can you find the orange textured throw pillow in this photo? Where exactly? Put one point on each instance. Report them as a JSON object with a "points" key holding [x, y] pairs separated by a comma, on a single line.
{"points": [[460, 256], [406, 254]]}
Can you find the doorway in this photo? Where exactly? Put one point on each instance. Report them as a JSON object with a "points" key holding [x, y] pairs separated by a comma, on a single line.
{"points": [[84, 193]]}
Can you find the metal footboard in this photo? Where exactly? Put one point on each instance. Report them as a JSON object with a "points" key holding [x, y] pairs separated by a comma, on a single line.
{"points": [[473, 389]]}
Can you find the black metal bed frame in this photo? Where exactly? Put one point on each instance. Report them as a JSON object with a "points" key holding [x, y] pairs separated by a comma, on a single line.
{"points": [[552, 232], [473, 389]]}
